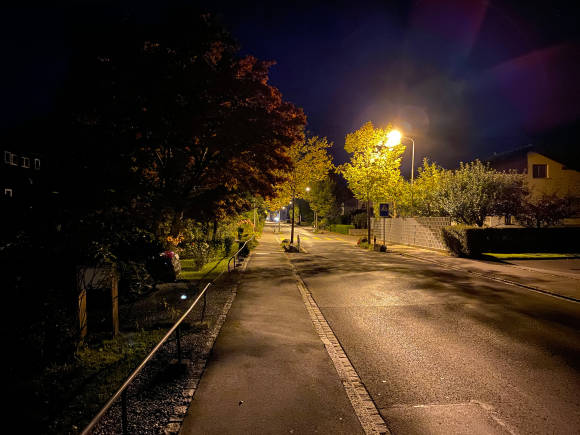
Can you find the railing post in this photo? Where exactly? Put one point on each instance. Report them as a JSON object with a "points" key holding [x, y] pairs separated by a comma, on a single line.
{"points": [[204, 306], [124, 421], [298, 239], [178, 333]]}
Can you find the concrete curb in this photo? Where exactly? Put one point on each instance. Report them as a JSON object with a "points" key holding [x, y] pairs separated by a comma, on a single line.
{"points": [[364, 407]]}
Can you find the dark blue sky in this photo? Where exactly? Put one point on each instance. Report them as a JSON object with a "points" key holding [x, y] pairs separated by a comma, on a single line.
{"points": [[465, 78]]}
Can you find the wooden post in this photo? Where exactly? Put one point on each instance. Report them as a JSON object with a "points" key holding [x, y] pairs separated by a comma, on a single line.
{"points": [[83, 313]]}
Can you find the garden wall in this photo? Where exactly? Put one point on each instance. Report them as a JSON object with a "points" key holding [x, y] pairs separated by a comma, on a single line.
{"points": [[417, 231]]}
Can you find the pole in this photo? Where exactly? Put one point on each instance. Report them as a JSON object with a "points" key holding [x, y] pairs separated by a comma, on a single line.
{"points": [[368, 220], [412, 175], [292, 230], [254, 204]]}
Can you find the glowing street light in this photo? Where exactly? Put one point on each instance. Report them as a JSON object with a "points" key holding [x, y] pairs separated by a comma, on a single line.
{"points": [[394, 137]]}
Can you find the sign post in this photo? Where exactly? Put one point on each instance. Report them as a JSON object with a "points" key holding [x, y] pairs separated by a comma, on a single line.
{"points": [[384, 213]]}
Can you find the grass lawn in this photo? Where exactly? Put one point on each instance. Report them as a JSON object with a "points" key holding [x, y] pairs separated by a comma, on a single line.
{"points": [[209, 271], [531, 255], [70, 395]]}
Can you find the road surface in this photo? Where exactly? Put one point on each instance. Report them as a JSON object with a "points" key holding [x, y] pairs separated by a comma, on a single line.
{"points": [[442, 351]]}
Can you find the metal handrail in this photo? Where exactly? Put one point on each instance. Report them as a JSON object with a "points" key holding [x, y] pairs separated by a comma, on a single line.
{"points": [[123, 389], [233, 257]]}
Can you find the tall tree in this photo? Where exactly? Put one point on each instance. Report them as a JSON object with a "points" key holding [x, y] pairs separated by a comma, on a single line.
{"points": [[373, 172], [175, 109], [310, 163], [322, 199], [426, 189]]}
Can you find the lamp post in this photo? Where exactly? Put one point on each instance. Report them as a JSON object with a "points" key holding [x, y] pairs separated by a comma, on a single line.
{"points": [[394, 138], [308, 190]]}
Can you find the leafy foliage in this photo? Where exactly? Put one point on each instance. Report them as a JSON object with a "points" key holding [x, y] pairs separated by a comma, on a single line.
{"points": [[189, 126], [544, 211], [475, 191], [373, 171]]}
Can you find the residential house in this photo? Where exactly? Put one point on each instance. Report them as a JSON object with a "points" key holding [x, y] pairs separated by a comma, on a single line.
{"points": [[549, 170]]}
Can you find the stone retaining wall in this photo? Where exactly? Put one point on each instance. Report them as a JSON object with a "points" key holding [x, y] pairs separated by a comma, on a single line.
{"points": [[417, 231]]}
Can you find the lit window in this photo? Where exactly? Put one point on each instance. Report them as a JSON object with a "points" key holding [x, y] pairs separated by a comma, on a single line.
{"points": [[13, 159], [539, 171], [8, 192], [25, 162], [36, 163], [7, 157]]}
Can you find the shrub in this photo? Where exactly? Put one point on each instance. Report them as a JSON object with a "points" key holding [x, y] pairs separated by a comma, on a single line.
{"points": [[342, 229], [455, 238], [359, 220], [473, 241], [546, 211], [228, 243]]}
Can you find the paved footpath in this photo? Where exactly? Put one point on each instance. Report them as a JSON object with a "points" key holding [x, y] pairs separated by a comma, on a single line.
{"points": [[269, 372]]}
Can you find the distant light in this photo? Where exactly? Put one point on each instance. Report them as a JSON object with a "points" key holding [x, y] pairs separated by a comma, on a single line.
{"points": [[308, 189], [183, 297]]}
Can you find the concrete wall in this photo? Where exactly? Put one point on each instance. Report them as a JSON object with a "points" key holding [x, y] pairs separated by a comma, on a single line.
{"points": [[418, 231]]}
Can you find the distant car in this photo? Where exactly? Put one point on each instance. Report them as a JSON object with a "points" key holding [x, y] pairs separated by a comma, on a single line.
{"points": [[165, 267]]}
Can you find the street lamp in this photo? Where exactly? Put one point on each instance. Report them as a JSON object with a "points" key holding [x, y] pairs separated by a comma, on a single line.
{"points": [[394, 137]]}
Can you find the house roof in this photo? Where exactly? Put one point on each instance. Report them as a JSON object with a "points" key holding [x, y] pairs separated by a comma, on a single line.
{"points": [[568, 155]]}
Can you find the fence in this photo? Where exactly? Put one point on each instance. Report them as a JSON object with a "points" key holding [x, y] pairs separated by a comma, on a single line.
{"points": [[417, 231]]}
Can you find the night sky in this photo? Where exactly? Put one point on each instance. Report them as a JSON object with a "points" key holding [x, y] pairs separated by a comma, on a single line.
{"points": [[464, 78]]}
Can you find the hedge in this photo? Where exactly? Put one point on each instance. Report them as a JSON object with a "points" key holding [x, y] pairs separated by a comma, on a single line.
{"points": [[342, 229], [473, 241]]}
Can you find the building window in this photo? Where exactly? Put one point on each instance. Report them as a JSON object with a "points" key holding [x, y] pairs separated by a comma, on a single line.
{"points": [[8, 193], [7, 157], [539, 171], [36, 163], [25, 162]]}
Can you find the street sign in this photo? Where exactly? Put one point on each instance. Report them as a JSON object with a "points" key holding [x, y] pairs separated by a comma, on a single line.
{"points": [[384, 210]]}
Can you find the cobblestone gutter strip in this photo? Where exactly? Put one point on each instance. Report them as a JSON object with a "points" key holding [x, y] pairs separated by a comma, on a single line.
{"points": [[364, 407], [487, 276]]}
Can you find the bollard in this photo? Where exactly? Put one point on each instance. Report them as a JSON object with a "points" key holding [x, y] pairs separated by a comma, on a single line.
{"points": [[298, 237]]}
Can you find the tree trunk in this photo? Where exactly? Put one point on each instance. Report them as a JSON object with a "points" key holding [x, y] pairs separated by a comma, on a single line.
{"points": [[368, 220]]}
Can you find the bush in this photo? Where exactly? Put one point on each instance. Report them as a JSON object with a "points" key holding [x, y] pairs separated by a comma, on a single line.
{"points": [[359, 220], [228, 243], [342, 229], [468, 241], [546, 211]]}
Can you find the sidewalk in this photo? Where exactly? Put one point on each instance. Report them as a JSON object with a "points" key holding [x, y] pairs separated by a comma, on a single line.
{"points": [[553, 277], [269, 372]]}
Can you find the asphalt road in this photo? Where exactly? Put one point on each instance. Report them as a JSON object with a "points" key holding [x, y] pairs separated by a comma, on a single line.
{"points": [[442, 351]]}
